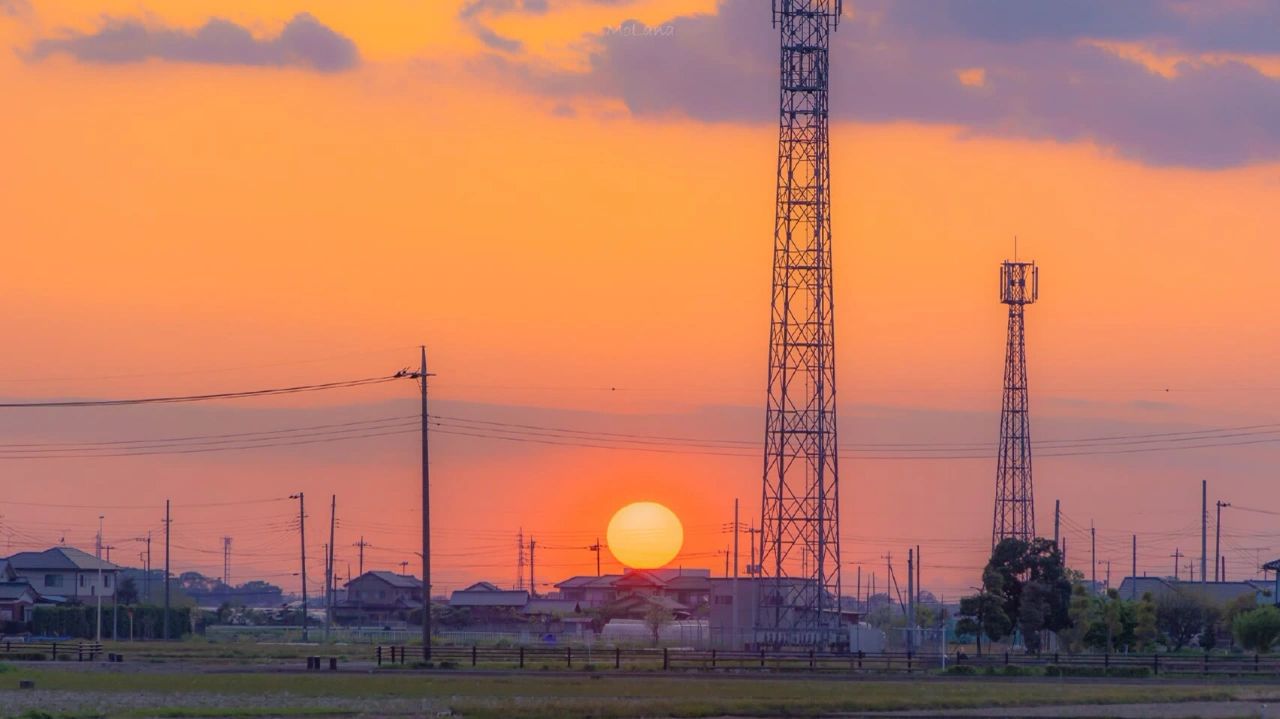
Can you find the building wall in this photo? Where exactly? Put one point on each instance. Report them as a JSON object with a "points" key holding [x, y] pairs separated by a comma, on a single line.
{"points": [[73, 584]]}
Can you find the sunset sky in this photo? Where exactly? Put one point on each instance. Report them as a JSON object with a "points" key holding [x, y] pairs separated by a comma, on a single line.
{"points": [[570, 202]]}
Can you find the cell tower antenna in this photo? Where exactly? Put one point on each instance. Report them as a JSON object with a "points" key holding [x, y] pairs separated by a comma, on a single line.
{"points": [[800, 521], [1015, 515]]}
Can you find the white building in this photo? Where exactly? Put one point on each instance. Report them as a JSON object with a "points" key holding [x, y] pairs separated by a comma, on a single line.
{"points": [[66, 573]]}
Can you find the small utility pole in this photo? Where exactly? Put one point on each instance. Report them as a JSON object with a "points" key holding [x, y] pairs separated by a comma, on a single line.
{"points": [[361, 544], [736, 532], [98, 590], [328, 579], [147, 580], [1204, 531], [533, 585], [1177, 558], [421, 375], [596, 548], [168, 525], [302, 534], [1217, 544], [911, 598], [1133, 583], [1057, 519], [1093, 554]]}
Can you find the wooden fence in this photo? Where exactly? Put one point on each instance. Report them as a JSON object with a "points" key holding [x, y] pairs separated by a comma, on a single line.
{"points": [[538, 657], [77, 650]]}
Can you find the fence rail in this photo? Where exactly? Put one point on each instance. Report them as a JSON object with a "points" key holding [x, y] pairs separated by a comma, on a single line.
{"points": [[80, 651], [522, 657]]}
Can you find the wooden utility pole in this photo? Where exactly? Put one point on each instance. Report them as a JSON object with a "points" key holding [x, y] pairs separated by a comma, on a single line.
{"points": [[426, 513], [596, 548], [361, 544], [302, 534], [533, 585], [1204, 531], [168, 523], [328, 560], [1217, 544], [1177, 557], [1057, 520]]}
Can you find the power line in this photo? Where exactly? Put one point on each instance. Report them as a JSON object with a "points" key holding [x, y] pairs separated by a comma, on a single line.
{"points": [[203, 397]]}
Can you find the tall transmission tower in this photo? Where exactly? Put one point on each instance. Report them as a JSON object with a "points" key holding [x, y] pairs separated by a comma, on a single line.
{"points": [[226, 561], [800, 509], [1015, 513]]}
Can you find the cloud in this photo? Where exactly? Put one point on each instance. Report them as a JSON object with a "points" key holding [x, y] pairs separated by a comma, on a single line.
{"points": [[1041, 78], [303, 42]]}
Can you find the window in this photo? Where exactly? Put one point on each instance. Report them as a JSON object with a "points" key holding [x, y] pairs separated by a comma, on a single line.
{"points": [[82, 580], [53, 580], [106, 580]]}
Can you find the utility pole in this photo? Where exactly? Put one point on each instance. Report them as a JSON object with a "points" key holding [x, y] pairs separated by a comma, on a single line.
{"points": [[1217, 543], [1204, 531], [533, 584], [147, 579], [422, 376], [1057, 520], [1093, 554], [302, 534], [858, 595], [596, 548], [98, 590], [328, 560], [736, 532], [911, 598], [1223, 560], [361, 544], [1133, 583], [520, 559], [168, 525], [1177, 557]]}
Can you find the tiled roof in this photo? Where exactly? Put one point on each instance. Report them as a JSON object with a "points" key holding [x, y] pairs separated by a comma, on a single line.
{"points": [[59, 558], [9, 591], [517, 598], [400, 581]]}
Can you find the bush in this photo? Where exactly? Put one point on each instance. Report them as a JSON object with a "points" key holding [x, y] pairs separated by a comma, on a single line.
{"points": [[966, 670], [22, 657], [1060, 670], [80, 621], [1013, 670], [1257, 629]]}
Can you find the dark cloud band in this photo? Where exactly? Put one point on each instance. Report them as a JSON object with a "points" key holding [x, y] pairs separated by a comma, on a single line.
{"points": [[303, 42]]}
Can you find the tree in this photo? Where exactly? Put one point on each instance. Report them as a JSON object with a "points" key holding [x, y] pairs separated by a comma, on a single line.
{"points": [[1021, 570], [1080, 616], [1146, 631], [128, 591], [1181, 616], [655, 619], [1257, 629], [981, 614]]}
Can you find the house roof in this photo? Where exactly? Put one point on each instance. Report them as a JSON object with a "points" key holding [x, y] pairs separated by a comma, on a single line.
{"points": [[6, 571], [638, 578], [483, 598], [1214, 592], [589, 580], [12, 591], [482, 587], [551, 606], [687, 581], [399, 581], [59, 558]]}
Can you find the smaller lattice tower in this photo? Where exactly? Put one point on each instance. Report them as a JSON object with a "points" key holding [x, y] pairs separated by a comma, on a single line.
{"points": [[1015, 514]]}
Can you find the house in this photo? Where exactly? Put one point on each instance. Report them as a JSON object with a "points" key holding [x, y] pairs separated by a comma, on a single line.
{"points": [[66, 573], [690, 588], [487, 603], [379, 598], [590, 591], [17, 600], [1219, 594]]}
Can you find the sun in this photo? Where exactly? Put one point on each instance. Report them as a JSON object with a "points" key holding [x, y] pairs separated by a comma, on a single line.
{"points": [[645, 535]]}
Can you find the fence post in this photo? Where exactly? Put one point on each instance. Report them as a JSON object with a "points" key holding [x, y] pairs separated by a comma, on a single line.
{"points": [[811, 664], [908, 662], [958, 655], [1006, 659], [55, 651], [617, 657], [80, 652], [379, 654], [522, 657], [762, 659], [666, 660], [860, 655], [568, 657], [1055, 657], [1206, 662], [1106, 660], [713, 659], [1155, 664], [1255, 662], [473, 655]]}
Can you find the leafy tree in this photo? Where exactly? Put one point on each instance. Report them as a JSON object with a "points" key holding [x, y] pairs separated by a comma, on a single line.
{"points": [[983, 614], [1257, 629], [655, 619], [1146, 630], [1080, 615], [1181, 616], [127, 593], [1017, 570]]}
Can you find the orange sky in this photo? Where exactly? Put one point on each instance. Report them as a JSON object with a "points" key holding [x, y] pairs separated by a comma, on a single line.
{"points": [[204, 227]]}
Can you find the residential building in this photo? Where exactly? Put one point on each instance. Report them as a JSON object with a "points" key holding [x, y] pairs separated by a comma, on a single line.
{"points": [[379, 598], [17, 602], [689, 589], [1219, 594], [66, 573]]}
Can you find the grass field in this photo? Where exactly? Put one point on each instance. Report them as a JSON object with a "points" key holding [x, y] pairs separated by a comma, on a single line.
{"points": [[80, 693]]}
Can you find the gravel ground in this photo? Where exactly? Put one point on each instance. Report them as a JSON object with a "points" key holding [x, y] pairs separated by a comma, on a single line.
{"points": [[14, 702], [1187, 710]]}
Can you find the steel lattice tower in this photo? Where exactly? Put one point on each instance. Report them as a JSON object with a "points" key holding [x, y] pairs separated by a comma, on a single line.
{"points": [[800, 543], [1015, 512]]}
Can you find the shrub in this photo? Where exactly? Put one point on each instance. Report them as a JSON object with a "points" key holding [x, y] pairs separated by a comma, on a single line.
{"points": [[966, 670], [1059, 670], [1013, 670]]}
